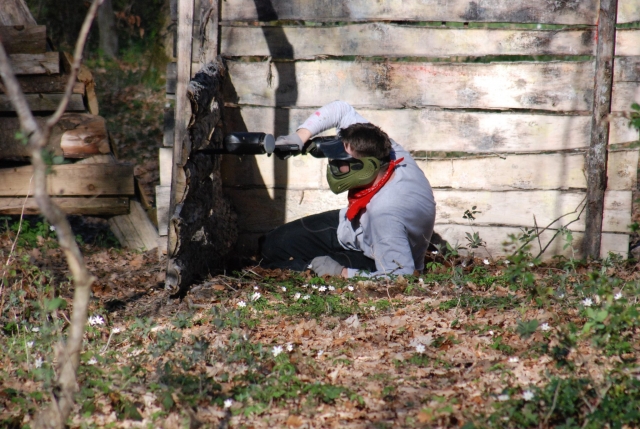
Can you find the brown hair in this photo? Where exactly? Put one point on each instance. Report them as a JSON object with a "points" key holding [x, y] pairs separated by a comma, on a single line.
{"points": [[367, 139]]}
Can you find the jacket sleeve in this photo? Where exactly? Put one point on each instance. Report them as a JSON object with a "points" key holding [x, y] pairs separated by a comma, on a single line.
{"points": [[391, 249], [337, 114]]}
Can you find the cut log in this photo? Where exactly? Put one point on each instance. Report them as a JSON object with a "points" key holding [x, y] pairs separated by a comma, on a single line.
{"points": [[203, 223], [135, 230], [20, 39], [583, 12], [71, 180], [44, 103], [44, 84], [15, 12], [85, 76], [76, 135], [389, 40], [47, 63], [72, 206], [554, 86]]}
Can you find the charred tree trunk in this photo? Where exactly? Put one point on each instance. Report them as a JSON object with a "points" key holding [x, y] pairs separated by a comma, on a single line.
{"points": [[203, 224]]}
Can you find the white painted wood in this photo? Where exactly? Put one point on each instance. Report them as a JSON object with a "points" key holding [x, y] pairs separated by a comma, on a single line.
{"points": [[552, 86], [628, 42], [628, 11], [371, 39], [163, 194], [624, 95], [165, 155], [581, 12]]}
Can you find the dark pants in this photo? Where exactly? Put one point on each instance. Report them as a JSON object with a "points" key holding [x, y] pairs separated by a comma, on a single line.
{"points": [[293, 245]]}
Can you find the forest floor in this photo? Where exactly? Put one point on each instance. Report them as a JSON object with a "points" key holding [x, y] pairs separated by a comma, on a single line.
{"points": [[470, 343]]}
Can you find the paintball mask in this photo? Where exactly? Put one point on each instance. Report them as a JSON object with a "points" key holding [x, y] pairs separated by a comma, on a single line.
{"points": [[345, 172]]}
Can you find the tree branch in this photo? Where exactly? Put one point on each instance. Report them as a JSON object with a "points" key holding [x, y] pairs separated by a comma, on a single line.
{"points": [[67, 355]]}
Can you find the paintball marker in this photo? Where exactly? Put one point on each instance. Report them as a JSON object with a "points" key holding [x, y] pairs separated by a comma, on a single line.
{"points": [[255, 143]]}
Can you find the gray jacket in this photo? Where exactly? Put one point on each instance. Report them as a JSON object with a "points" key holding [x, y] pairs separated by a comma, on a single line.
{"points": [[396, 226]]}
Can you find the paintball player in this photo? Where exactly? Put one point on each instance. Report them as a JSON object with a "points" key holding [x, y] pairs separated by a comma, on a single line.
{"points": [[388, 223]]}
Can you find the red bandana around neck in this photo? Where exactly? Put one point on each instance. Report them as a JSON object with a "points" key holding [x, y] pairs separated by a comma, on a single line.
{"points": [[359, 198]]}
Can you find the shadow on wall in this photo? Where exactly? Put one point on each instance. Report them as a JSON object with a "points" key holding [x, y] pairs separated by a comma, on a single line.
{"points": [[286, 94]]}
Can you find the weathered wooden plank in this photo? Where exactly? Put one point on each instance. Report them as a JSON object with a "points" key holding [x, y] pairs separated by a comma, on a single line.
{"points": [[172, 76], [76, 135], [135, 230], [208, 31], [628, 42], [165, 159], [169, 125], [15, 12], [628, 11], [511, 172], [85, 76], [45, 83], [163, 194], [372, 39], [44, 103], [451, 131], [626, 69], [72, 206], [624, 95], [20, 39], [46, 63], [583, 12], [494, 238], [546, 86], [541, 171], [71, 180], [518, 208]]}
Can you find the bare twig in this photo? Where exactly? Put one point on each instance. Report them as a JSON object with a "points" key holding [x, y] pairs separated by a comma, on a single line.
{"points": [[553, 405], [68, 354]]}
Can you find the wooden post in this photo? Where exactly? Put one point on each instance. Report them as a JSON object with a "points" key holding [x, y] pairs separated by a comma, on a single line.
{"points": [[181, 147], [597, 155], [209, 30]]}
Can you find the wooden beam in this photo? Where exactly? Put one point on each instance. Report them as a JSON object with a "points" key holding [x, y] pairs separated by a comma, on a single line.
{"points": [[628, 42], [45, 84], [76, 135], [71, 180], [628, 11], [72, 206], [135, 230], [20, 39], [209, 29], [597, 156], [47, 63], [582, 12], [44, 103], [390, 40], [180, 155], [553, 86], [15, 12]]}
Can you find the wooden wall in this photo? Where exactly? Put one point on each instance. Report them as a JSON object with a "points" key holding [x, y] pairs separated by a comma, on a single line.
{"points": [[495, 100]]}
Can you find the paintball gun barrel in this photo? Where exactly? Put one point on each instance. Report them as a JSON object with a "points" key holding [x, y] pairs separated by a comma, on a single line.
{"points": [[255, 143]]}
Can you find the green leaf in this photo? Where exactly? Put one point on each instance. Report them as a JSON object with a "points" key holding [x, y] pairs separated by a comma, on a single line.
{"points": [[55, 304]]}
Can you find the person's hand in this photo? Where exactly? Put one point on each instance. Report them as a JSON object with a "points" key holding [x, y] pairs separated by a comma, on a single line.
{"points": [[326, 266], [288, 140]]}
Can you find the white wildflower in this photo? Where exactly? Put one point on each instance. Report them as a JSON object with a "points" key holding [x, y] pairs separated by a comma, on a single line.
{"points": [[530, 264], [331, 288], [289, 347], [503, 398], [228, 403], [420, 348], [322, 289], [434, 252], [38, 362], [92, 361], [507, 262], [241, 304], [372, 308], [284, 289], [617, 296], [527, 395], [491, 333], [545, 327], [587, 302], [35, 329], [421, 280], [115, 330], [29, 344], [276, 350], [560, 296], [314, 287], [306, 297], [96, 320], [320, 352], [350, 288], [598, 300], [256, 296], [486, 261], [513, 359], [305, 285], [296, 296], [52, 228], [256, 288]]}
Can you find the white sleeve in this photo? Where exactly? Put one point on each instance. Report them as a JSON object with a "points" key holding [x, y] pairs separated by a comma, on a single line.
{"points": [[337, 114]]}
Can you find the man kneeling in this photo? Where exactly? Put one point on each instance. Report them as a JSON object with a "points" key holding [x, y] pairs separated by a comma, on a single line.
{"points": [[387, 225]]}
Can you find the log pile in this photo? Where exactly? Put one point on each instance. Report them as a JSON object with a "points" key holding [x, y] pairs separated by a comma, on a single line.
{"points": [[85, 177]]}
